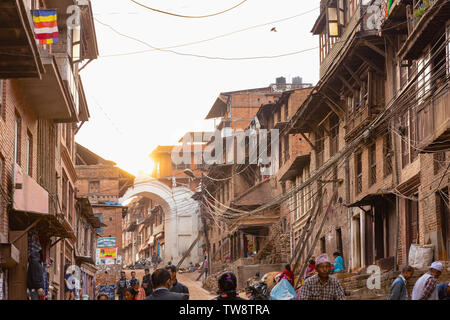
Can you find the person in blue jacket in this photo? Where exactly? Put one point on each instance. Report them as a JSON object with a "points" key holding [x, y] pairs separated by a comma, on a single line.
{"points": [[398, 288], [444, 291], [338, 262]]}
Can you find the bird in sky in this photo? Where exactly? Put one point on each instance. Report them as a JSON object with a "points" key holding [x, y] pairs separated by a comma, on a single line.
{"points": [[274, 29]]}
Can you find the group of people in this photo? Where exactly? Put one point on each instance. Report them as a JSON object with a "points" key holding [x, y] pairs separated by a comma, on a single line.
{"points": [[337, 266], [425, 288], [319, 285], [162, 284]]}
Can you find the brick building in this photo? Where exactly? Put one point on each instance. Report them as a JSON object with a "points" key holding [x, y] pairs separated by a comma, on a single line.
{"points": [[235, 187], [162, 218], [42, 105], [378, 125], [103, 183]]}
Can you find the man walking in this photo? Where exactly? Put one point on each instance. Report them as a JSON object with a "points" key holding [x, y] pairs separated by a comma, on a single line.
{"points": [[426, 286], [147, 282], [398, 287], [205, 267], [321, 286], [122, 284], [161, 283], [133, 279], [176, 286]]}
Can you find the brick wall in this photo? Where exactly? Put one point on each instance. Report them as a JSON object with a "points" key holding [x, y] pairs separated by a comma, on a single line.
{"points": [[112, 217], [14, 102]]}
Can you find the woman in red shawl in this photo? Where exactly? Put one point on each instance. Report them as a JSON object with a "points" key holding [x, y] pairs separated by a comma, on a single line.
{"points": [[288, 274]]}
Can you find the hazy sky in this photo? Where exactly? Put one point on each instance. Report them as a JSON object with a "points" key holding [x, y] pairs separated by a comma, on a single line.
{"points": [[143, 100]]}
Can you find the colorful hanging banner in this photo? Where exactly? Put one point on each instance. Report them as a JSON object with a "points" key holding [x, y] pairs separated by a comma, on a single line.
{"points": [[45, 26]]}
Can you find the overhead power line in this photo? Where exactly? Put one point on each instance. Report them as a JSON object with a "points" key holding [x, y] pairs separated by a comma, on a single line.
{"points": [[201, 56], [189, 17], [218, 36]]}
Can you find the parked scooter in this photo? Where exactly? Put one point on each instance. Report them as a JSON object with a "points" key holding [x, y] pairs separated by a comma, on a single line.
{"points": [[257, 288], [257, 291]]}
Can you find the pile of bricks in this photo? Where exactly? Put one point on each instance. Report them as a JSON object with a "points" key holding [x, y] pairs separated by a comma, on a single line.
{"points": [[210, 283], [278, 250]]}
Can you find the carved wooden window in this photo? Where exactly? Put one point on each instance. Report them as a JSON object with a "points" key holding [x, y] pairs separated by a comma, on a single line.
{"points": [[387, 155], [334, 131]]}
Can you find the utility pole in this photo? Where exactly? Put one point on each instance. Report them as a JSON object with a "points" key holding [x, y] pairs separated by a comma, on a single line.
{"points": [[208, 249]]}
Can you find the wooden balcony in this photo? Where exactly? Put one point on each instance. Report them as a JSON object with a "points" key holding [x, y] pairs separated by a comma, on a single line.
{"points": [[19, 57], [358, 120], [423, 22], [49, 96], [357, 28], [433, 122]]}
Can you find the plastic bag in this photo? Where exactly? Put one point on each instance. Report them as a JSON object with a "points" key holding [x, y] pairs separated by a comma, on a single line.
{"points": [[420, 256], [283, 291]]}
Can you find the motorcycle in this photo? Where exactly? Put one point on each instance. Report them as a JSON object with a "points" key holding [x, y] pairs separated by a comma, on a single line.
{"points": [[257, 291]]}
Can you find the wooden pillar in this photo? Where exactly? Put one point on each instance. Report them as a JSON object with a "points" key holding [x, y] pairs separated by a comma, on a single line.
{"points": [[362, 225], [241, 240], [385, 233]]}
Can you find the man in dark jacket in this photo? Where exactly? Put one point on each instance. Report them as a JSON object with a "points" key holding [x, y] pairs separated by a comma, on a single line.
{"points": [[176, 286], [161, 283], [147, 282], [122, 284], [398, 287], [444, 291]]}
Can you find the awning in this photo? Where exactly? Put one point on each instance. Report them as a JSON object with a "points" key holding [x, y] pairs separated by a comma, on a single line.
{"points": [[84, 259], [88, 213], [48, 224], [132, 227], [219, 109], [296, 166], [372, 198]]}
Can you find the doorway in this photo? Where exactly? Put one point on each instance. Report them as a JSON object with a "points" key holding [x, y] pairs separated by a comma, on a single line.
{"points": [[445, 220], [412, 223]]}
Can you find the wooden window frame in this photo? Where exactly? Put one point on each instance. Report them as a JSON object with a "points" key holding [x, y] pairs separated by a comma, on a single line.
{"points": [[372, 164], [91, 183], [18, 139], [358, 172], [334, 131], [65, 191], [2, 99], [29, 164], [320, 147], [387, 155]]}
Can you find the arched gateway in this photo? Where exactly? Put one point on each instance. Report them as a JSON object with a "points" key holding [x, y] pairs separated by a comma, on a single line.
{"points": [[182, 217]]}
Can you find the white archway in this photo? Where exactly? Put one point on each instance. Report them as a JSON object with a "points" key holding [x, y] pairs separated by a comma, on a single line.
{"points": [[182, 217]]}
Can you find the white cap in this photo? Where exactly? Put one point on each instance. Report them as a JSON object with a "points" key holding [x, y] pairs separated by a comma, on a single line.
{"points": [[437, 266]]}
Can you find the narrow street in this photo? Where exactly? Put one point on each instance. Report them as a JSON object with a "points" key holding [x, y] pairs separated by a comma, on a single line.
{"points": [[275, 147], [196, 292]]}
